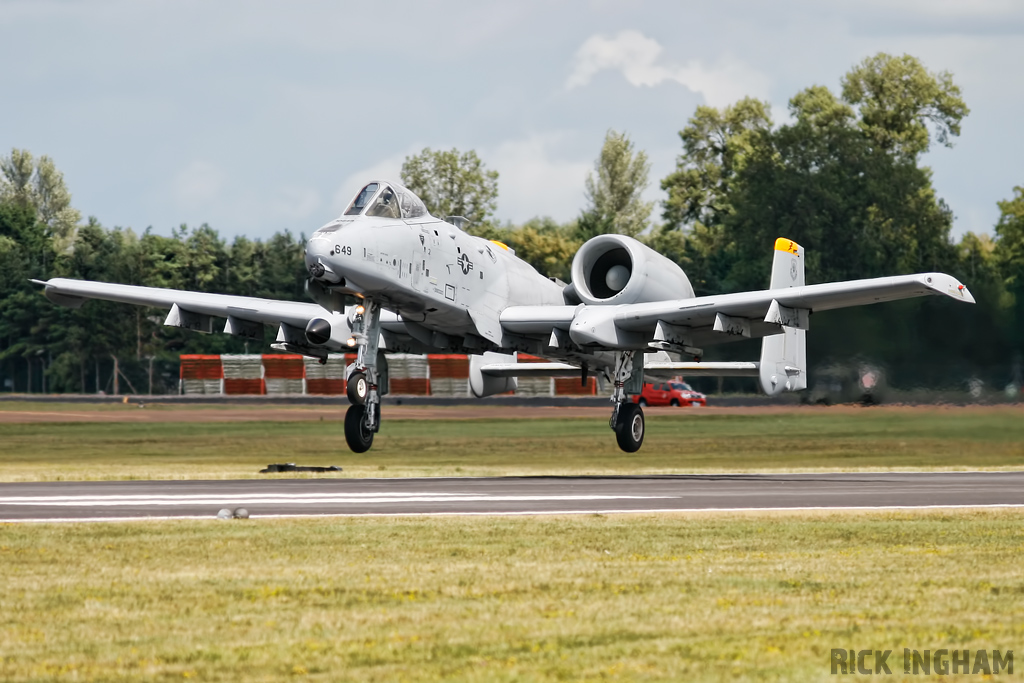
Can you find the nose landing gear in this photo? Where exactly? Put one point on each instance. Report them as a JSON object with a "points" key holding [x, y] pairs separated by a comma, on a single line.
{"points": [[362, 420], [357, 388]]}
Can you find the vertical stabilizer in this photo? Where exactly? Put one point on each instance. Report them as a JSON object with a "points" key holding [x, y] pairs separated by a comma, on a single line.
{"points": [[784, 356]]}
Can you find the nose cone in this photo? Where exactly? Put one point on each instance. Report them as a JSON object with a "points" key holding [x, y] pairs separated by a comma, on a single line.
{"points": [[318, 331], [617, 278], [319, 253]]}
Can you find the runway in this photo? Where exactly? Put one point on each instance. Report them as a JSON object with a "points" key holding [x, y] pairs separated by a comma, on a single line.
{"points": [[129, 500]]}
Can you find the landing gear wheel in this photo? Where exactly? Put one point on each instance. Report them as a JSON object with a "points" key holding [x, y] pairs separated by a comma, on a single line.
{"points": [[629, 428], [358, 437], [357, 389]]}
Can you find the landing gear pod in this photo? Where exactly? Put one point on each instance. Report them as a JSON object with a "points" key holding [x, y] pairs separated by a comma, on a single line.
{"points": [[487, 385]]}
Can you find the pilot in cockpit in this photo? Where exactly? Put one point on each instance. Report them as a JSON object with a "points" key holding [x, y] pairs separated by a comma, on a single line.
{"points": [[394, 201], [386, 205]]}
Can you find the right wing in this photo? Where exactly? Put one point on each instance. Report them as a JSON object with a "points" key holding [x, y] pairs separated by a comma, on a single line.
{"points": [[73, 293], [245, 316]]}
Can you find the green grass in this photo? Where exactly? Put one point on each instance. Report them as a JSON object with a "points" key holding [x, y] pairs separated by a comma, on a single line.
{"points": [[876, 439], [633, 597]]}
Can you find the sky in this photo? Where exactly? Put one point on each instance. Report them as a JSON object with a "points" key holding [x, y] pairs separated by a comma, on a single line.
{"points": [[256, 116]]}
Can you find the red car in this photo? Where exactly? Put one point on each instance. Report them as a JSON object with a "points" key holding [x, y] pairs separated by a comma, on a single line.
{"points": [[674, 393]]}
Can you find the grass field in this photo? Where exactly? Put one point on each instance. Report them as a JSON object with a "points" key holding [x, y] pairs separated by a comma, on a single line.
{"points": [[684, 441], [670, 597], [696, 597]]}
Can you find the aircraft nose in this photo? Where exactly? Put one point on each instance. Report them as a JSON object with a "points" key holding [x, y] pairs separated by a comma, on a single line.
{"points": [[318, 259]]}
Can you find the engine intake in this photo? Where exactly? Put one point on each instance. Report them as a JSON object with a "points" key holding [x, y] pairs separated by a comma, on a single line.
{"points": [[615, 269]]}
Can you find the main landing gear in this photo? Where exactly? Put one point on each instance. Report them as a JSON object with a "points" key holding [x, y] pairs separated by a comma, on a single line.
{"points": [[362, 420], [358, 433], [627, 417]]}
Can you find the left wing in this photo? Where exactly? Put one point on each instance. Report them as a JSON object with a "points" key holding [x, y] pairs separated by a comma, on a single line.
{"points": [[709, 320]]}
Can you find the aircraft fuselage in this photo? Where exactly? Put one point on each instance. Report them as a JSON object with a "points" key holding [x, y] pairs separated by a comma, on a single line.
{"points": [[426, 270]]}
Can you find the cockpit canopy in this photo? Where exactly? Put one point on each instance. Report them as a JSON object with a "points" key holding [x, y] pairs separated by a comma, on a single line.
{"points": [[385, 199]]}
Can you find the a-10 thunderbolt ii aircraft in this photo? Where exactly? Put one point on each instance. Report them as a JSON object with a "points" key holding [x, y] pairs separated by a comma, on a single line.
{"points": [[388, 276]]}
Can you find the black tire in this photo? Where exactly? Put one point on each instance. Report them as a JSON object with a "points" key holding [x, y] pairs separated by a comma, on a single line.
{"points": [[642, 402], [358, 437], [630, 428], [674, 403], [357, 388]]}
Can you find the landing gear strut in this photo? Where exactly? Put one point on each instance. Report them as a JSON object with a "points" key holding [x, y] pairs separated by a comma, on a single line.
{"points": [[362, 420], [627, 418]]}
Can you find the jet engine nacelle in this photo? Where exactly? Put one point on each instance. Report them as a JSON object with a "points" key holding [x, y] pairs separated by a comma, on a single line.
{"points": [[615, 269]]}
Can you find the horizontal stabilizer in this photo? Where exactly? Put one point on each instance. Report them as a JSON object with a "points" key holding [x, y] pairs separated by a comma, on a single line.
{"points": [[705, 369], [530, 370]]}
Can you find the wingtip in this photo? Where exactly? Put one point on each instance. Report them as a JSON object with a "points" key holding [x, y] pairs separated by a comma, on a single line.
{"points": [[948, 285], [958, 290]]}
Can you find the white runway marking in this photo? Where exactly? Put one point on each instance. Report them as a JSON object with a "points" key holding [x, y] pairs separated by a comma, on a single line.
{"points": [[292, 498], [715, 494]]}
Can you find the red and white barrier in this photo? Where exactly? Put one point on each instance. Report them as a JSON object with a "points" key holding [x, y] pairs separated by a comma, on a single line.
{"points": [[408, 374], [243, 374]]}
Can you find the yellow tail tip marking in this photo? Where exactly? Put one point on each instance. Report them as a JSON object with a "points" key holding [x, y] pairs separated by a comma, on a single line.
{"points": [[500, 244], [782, 244]]}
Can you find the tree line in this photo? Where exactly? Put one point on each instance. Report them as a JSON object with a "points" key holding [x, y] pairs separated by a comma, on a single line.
{"points": [[842, 176]]}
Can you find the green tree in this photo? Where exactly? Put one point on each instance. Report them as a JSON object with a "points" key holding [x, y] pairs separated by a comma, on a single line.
{"points": [[40, 185], [614, 190], [1009, 255], [453, 183], [860, 211], [843, 179], [544, 244], [899, 101], [1009, 229], [715, 146], [24, 249]]}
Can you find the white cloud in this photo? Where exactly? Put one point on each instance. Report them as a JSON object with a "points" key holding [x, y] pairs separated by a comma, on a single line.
{"points": [[639, 58], [1001, 9], [199, 183], [531, 181], [534, 183]]}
